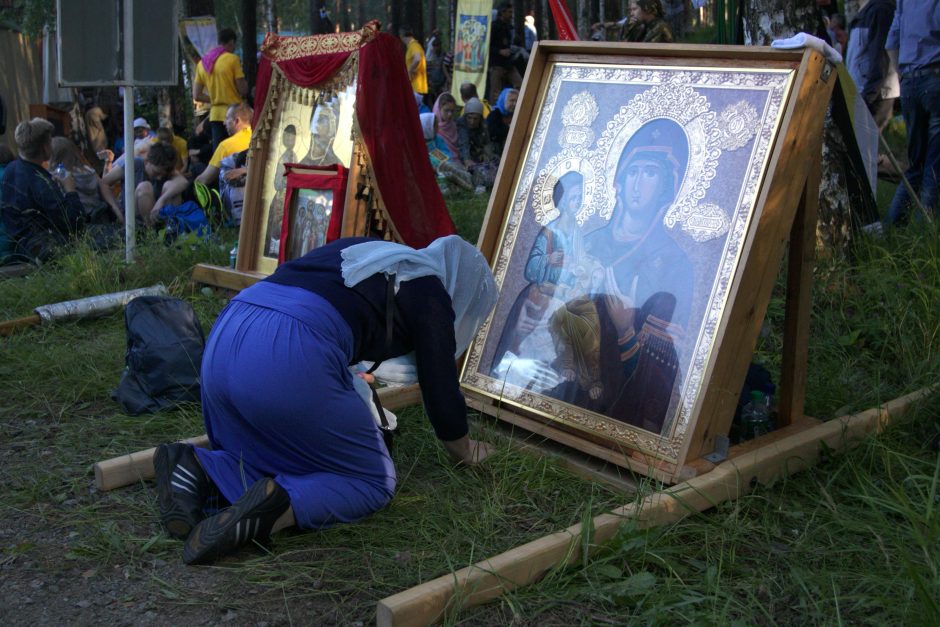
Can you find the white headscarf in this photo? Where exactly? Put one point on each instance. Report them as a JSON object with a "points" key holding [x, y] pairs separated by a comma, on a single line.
{"points": [[459, 265], [427, 125]]}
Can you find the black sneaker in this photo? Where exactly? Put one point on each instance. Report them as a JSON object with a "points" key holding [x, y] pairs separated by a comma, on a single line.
{"points": [[250, 518], [182, 488]]}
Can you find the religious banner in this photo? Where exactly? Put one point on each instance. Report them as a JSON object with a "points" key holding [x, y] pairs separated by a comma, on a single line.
{"points": [[471, 45]]}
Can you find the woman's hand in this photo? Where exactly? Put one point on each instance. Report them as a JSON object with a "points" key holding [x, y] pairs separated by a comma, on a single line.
{"points": [[467, 451], [619, 305]]}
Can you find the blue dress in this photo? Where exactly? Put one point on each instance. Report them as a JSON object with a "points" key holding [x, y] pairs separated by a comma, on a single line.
{"points": [[278, 396]]}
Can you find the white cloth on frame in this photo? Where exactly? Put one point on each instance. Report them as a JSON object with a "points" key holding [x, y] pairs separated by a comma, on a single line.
{"points": [[805, 40]]}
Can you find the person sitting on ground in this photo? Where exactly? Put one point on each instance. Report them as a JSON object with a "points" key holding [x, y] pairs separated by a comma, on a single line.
{"points": [[238, 125], [158, 182], [469, 90], [98, 202], [476, 149], [286, 454], [40, 211], [233, 175], [497, 124], [441, 159], [167, 136], [220, 81], [445, 114], [143, 137]]}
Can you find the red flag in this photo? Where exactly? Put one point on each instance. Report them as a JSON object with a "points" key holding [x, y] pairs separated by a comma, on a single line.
{"points": [[563, 22]]}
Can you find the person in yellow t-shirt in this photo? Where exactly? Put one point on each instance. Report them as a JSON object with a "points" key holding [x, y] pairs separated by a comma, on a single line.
{"points": [[415, 62], [221, 82], [238, 124]]}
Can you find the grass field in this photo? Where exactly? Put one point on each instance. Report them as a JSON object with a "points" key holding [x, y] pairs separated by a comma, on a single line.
{"points": [[853, 540]]}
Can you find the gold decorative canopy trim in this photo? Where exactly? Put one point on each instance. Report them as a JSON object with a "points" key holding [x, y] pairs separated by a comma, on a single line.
{"points": [[278, 48]]}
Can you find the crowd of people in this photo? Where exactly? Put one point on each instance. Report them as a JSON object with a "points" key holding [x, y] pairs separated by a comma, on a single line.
{"points": [[52, 191]]}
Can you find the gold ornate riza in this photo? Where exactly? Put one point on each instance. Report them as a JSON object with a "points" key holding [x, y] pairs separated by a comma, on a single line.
{"points": [[677, 101], [665, 93], [575, 139]]}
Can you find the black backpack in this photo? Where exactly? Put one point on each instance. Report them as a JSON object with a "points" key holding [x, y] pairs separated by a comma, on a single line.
{"points": [[164, 355]]}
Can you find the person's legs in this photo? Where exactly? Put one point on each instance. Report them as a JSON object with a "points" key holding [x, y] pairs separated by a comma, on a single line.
{"points": [[145, 200], [497, 76], [183, 489], [219, 134], [930, 104], [882, 110], [324, 451], [915, 119]]}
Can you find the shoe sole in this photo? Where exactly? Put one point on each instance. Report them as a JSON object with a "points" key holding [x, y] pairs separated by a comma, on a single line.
{"points": [[177, 520], [213, 537]]}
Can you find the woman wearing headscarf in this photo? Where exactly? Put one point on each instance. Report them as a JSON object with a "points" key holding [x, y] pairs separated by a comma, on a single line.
{"points": [[441, 158], [498, 121], [445, 113], [293, 442], [476, 149]]}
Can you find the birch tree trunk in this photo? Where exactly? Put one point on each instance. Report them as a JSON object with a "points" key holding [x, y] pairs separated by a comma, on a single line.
{"points": [[584, 19], [764, 21]]}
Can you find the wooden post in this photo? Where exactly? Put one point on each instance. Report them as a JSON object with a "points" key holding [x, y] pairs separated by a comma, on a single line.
{"points": [[802, 254]]}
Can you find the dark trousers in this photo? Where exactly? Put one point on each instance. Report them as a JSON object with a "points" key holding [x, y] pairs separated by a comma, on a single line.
{"points": [[219, 134], [920, 104]]}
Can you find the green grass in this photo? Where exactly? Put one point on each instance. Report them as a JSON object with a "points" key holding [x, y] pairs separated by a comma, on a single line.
{"points": [[854, 539]]}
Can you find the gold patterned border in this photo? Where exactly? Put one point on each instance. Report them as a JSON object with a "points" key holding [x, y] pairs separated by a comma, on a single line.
{"points": [[281, 48]]}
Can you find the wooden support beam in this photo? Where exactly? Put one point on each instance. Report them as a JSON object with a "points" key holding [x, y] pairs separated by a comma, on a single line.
{"points": [[8, 327], [227, 278], [127, 469], [490, 578], [799, 304], [16, 270]]}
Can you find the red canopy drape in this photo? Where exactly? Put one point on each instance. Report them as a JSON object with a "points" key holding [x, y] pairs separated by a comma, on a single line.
{"points": [[387, 116]]}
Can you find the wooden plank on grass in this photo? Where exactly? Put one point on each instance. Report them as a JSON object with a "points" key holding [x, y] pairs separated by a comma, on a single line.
{"points": [[227, 278], [431, 601], [127, 469]]}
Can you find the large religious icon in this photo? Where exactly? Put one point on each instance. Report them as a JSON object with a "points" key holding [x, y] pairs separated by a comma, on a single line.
{"points": [[470, 43], [313, 127], [306, 227], [313, 208], [627, 214]]}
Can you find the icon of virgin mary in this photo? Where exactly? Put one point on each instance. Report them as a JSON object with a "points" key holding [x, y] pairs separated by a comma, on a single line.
{"points": [[625, 327]]}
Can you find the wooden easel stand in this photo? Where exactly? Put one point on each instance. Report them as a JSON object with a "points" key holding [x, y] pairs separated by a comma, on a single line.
{"points": [[778, 457]]}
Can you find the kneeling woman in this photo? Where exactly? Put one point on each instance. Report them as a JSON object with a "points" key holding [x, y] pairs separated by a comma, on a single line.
{"points": [[293, 443]]}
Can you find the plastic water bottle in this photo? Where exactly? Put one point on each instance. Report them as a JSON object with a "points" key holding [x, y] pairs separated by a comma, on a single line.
{"points": [[59, 171], [755, 417], [233, 256]]}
